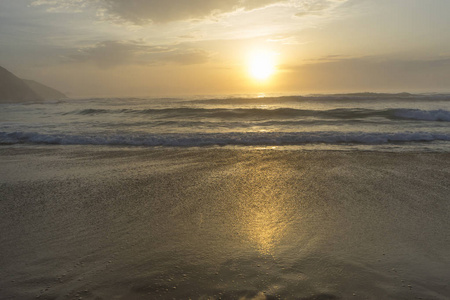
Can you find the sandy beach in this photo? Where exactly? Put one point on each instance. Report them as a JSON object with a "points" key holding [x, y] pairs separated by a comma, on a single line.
{"points": [[86, 222]]}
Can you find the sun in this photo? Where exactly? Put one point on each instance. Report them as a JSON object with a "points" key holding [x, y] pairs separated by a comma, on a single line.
{"points": [[261, 64]]}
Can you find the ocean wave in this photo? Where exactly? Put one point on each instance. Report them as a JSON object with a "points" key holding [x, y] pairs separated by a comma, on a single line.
{"points": [[292, 113], [222, 139], [326, 98], [424, 115]]}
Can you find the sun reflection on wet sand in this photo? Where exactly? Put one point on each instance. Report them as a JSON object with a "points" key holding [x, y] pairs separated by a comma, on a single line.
{"points": [[263, 208], [266, 227]]}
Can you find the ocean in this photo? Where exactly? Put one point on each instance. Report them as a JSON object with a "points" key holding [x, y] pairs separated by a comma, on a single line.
{"points": [[366, 121]]}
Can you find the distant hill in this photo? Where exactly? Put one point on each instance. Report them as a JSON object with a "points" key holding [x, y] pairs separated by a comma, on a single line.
{"points": [[44, 91], [13, 89]]}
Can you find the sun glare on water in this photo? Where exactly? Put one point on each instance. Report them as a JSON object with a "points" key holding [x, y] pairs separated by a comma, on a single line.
{"points": [[261, 64]]}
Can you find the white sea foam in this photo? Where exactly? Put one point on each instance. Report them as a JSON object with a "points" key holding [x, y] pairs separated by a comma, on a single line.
{"points": [[426, 115], [233, 138]]}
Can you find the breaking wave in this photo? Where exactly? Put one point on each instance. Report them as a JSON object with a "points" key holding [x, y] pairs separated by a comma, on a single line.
{"points": [[424, 115], [222, 139], [291, 113]]}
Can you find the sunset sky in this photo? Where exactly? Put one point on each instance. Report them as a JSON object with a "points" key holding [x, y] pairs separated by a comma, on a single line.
{"points": [[203, 47]]}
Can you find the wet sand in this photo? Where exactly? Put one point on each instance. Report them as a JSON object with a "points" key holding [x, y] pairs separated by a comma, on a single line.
{"points": [[80, 222]]}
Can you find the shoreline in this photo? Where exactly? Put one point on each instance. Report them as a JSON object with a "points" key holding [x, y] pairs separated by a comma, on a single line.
{"points": [[408, 148]]}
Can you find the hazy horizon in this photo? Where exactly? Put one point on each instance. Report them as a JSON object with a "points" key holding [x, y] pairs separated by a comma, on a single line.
{"points": [[111, 48]]}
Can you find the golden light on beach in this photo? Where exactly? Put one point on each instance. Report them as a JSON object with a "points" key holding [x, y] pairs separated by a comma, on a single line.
{"points": [[267, 226], [263, 214], [261, 64]]}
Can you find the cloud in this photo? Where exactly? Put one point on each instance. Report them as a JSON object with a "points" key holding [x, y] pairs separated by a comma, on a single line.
{"points": [[141, 12], [316, 7], [370, 73], [62, 5], [109, 54], [186, 57], [329, 58], [285, 39], [373, 65], [144, 11]]}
